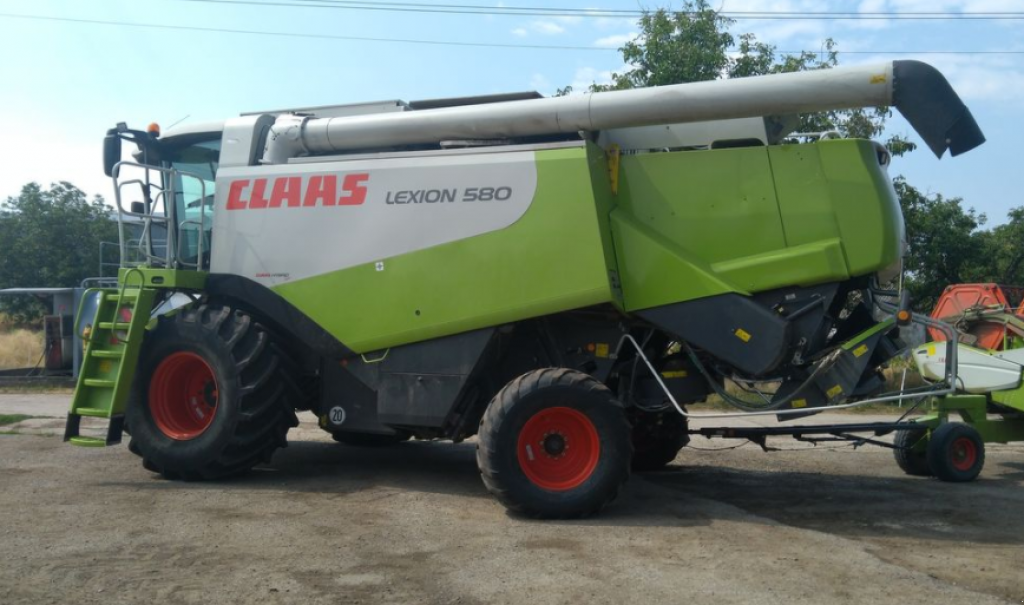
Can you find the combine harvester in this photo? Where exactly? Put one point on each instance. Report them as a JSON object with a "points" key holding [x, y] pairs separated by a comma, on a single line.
{"points": [[557, 276]]}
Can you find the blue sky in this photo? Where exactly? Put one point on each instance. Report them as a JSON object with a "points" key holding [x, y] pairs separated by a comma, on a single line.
{"points": [[65, 83]]}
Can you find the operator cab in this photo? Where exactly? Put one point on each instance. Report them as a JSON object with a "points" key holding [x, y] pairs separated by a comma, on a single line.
{"points": [[165, 197]]}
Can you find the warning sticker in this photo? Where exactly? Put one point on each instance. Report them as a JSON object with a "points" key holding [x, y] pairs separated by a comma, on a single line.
{"points": [[743, 335]]}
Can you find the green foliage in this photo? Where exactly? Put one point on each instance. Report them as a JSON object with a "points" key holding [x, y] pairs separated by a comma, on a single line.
{"points": [[49, 238], [1002, 251], [945, 246]]}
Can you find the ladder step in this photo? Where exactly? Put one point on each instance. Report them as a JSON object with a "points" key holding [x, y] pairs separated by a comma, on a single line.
{"points": [[92, 412], [106, 325], [87, 441], [100, 384], [102, 354], [129, 296]]}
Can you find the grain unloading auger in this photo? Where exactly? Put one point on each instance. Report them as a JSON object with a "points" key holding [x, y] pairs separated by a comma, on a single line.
{"points": [[558, 277]]}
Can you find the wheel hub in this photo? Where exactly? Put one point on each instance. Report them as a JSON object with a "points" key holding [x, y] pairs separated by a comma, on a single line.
{"points": [[558, 448], [554, 444], [183, 396], [963, 454]]}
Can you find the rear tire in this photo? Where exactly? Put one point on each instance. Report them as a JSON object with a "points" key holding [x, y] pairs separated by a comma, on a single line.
{"points": [[911, 455], [657, 438], [956, 452], [554, 443], [213, 395], [371, 439]]}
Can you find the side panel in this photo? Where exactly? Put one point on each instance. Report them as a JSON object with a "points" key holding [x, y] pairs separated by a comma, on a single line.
{"points": [[551, 259], [694, 224], [680, 213], [836, 191], [283, 223]]}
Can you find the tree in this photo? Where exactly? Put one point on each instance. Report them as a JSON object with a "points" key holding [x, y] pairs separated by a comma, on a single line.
{"points": [[945, 246], [49, 238], [1002, 251]]}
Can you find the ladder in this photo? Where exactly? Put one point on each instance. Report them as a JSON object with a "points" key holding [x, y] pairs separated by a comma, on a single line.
{"points": [[111, 355]]}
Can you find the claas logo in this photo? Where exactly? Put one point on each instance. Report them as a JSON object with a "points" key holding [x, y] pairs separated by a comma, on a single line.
{"points": [[296, 192]]}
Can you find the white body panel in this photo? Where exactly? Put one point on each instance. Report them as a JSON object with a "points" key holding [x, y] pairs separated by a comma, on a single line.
{"points": [[977, 371], [379, 209], [672, 136]]}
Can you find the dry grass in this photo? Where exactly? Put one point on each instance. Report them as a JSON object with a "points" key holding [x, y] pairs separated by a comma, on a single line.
{"points": [[20, 348]]}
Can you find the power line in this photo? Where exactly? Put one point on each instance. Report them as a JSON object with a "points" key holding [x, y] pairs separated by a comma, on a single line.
{"points": [[534, 11], [222, 30]]}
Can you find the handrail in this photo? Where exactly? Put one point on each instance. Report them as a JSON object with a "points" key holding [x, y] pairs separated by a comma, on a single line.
{"points": [[168, 196]]}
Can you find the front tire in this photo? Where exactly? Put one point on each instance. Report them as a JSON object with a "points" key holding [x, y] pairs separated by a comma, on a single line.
{"points": [[956, 452], [213, 395], [554, 443]]}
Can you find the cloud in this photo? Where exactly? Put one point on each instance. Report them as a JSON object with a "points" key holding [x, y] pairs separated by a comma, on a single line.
{"points": [[614, 41], [542, 27], [540, 83], [585, 76], [546, 27]]}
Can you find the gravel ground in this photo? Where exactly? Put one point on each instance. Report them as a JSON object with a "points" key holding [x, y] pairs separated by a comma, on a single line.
{"points": [[326, 523]]}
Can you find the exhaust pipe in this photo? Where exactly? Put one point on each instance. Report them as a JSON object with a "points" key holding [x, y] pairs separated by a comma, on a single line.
{"points": [[916, 89]]}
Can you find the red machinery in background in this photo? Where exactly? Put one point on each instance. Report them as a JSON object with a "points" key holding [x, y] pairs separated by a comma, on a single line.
{"points": [[988, 316]]}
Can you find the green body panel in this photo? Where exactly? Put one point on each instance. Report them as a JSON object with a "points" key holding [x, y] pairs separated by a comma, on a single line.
{"points": [[553, 259], [692, 224], [973, 409], [827, 191], [169, 279], [683, 225], [1012, 399]]}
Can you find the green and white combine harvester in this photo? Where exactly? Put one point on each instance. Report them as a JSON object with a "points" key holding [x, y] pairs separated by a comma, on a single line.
{"points": [[559, 277]]}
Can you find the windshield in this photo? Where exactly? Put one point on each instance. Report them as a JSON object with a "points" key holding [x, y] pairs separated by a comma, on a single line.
{"points": [[194, 187]]}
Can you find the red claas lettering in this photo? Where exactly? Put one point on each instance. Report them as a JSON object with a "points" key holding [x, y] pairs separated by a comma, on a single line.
{"points": [[296, 192]]}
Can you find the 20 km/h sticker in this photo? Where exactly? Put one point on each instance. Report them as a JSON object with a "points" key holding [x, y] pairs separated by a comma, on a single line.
{"points": [[337, 415]]}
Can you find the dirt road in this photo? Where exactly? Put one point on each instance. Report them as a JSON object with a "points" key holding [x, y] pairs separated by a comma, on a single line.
{"points": [[326, 523]]}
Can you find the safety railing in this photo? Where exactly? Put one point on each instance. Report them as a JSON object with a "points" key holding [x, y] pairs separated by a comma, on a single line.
{"points": [[160, 193]]}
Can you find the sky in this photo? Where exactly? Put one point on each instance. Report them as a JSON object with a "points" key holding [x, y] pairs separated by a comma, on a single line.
{"points": [[65, 79]]}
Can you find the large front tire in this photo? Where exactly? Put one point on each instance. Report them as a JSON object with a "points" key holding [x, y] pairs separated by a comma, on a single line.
{"points": [[554, 443], [213, 395]]}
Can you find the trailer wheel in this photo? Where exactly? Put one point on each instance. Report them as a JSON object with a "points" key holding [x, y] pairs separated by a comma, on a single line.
{"points": [[371, 439], [657, 438], [956, 452], [213, 395], [554, 443], [911, 452]]}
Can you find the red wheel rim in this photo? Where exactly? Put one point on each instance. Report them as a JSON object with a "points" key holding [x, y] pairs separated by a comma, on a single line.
{"points": [[183, 396], [963, 454], [558, 449]]}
